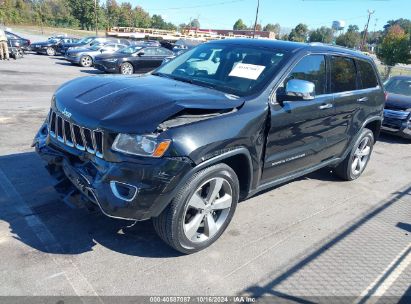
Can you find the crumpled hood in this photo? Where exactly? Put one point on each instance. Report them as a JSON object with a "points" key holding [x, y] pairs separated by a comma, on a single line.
{"points": [[397, 101], [133, 104]]}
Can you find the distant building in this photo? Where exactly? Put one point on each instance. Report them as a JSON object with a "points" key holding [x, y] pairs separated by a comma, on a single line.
{"points": [[233, 33]]}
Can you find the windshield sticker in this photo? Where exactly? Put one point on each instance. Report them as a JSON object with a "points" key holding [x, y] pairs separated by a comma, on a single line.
{"points": [[245, 70]]}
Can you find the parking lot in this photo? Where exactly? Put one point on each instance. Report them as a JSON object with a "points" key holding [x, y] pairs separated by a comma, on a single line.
{"points": [[306, 240]]}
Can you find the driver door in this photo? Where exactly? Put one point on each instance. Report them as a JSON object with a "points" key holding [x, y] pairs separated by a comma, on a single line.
{"points": [[299, 129]]}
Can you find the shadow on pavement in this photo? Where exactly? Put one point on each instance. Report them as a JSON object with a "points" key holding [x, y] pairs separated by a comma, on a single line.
{"points": [[93, 72], [269, 289], [392, 139], [75, 231]]}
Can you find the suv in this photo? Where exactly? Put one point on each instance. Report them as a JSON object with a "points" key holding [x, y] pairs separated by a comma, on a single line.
{"points": [[182, 145]]}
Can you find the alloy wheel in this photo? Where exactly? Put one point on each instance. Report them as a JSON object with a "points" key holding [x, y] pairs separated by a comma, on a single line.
{"points": [[127, 69], [361, 156], [86, 61], [207, 209], [50, 51]]}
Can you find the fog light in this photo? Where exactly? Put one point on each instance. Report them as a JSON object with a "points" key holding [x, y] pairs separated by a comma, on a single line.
{"points": [[123, 191]]}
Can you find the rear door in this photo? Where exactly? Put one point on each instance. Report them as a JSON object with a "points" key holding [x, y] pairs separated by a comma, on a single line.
{"points": [[299, 131], [349, 100]]}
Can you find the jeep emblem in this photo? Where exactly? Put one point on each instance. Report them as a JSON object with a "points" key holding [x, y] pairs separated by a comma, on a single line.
{"points": [[66, 113]]}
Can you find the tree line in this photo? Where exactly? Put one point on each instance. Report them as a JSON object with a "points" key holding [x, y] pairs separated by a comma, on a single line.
{"points": [[79, 14], [392, 43]]}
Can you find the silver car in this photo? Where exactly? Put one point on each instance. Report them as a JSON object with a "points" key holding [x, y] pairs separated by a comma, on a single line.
{"points": [[85, 56]]}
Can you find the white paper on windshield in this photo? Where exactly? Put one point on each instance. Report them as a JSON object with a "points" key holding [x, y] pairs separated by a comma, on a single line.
{"points": [[245, 70]]}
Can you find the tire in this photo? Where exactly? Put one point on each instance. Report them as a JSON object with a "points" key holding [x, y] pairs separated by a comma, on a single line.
{"points": [[51, 51], [356, 161], [126, 68], [188, 228], [86, 61]]}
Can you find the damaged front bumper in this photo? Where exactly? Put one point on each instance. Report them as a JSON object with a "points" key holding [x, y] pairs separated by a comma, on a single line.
{"points": [[135, 190]]}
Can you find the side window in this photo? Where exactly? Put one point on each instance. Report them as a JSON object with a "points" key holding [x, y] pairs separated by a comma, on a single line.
{"points": [[367, 75], [311, 68], [343, 74], [149, 52]]}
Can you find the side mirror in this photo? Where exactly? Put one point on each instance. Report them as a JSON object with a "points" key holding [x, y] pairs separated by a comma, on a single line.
{"points": [[141, 53], [300, 89]]}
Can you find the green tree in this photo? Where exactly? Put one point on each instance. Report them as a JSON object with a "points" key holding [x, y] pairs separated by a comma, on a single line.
{"points": [[323, 34], [272, 28], [350, 39], [142, 18], [353, 28], [395, 47], [195, 23], [239, 25], [83, 11], [126, 15], [299, 33], [404, 23], [112, 12]]}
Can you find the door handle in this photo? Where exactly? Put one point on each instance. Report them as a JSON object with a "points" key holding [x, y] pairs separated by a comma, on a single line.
{"points": [[325, 106], [363, 99]]}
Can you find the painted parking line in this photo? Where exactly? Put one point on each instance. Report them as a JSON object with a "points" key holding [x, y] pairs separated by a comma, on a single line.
{"points": [[387, 278], [73, 275]]}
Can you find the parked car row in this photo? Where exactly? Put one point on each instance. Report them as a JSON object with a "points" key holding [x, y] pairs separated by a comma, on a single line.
{"points": [[124, 56]]}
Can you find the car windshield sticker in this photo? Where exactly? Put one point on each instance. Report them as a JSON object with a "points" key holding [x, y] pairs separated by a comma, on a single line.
{"points": [[245, 70]]}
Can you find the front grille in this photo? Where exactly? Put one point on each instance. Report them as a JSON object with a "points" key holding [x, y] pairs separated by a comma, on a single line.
{"points": [[396, 114], [75, 136]]}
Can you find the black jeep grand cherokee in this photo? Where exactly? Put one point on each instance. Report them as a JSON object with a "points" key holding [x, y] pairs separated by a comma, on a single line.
{"points": [[216, 125]]}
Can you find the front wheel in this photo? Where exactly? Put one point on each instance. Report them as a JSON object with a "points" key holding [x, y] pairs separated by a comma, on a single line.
{"points": [[51, 51], [126, 68], [356, 161], [201, 210]]}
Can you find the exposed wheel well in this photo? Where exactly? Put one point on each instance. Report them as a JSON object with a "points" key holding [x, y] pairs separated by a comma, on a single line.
{"points": [[240, 164], [375, 127]]}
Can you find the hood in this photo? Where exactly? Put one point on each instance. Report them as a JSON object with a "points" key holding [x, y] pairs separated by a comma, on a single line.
{"points": [[396, 101], [135, 104]]}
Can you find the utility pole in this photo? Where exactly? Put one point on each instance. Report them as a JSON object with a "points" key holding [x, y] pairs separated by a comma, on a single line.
{"points": [[256, 17], [95, 16], [370, 12]]}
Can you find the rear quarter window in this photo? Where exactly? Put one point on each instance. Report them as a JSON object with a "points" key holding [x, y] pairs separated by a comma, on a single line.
{"points": [[343, 74], [367, 74]]}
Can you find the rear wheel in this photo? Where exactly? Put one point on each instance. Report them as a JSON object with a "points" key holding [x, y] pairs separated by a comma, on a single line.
{"points": [[201, 210], [51, 51], [86, 61], [356, 162], [126, 68]]}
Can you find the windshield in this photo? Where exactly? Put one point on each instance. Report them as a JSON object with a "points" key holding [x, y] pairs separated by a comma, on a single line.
{"points": [[131, 49], [238, 70], [399, 86], [85, 40], [53, 40], [96, 47]]}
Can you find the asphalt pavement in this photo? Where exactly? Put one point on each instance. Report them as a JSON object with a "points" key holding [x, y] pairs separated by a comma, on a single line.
{"points": [[315, 239]]}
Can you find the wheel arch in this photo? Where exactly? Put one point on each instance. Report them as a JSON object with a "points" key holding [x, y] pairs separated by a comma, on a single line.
{"points": [[238, 159]]}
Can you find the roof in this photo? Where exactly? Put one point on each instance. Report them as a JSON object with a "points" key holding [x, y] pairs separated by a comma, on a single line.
{"points": [[292, 46]]}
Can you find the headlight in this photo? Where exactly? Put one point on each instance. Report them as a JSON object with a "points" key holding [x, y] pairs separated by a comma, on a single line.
{"points": [[111, 60], [142, 145]]}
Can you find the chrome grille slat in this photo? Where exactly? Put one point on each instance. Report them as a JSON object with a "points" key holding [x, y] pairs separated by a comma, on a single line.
{"points": [[75, 136]]}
